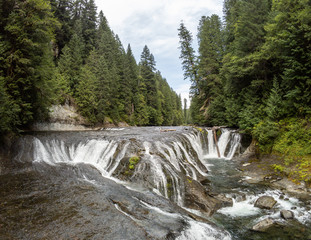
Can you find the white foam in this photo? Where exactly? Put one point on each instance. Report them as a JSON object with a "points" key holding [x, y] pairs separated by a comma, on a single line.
{"points": [[202, 231], [240, 209]]}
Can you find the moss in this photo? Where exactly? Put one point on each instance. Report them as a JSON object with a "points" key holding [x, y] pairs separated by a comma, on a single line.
{"points": [[292, 146], [199, 129], [133, 162]]}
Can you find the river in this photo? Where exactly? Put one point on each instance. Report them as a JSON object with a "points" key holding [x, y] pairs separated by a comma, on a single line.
{"points": [[137, 183]]}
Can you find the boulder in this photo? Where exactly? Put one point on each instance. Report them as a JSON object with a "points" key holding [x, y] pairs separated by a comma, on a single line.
{"points": [[265, 202], [197, 198], [263, 225], [286, 214], [225, 201], [239, 197]]}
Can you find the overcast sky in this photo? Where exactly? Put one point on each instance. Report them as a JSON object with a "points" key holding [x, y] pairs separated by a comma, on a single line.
{"points": [[154, 23]]}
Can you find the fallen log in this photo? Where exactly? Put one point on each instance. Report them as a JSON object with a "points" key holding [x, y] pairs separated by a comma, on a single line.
{"points": [[216, 142]]}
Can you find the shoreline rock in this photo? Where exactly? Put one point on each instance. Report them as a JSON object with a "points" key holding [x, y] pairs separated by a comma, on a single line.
{"points": [[287, 214], [263, 225], [259, 171], [265, 202]]}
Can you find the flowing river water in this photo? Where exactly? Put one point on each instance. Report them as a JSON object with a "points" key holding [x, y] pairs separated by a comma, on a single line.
{"points": [[137, 183]]}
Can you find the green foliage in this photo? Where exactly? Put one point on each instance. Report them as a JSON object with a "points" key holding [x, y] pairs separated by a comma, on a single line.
{"points": [[90, 68], [254, 73], [293, 144], [187, 54], [8, 110], [133, 162], [294, 137], [86, 95], [26, 62], [266, 132]]}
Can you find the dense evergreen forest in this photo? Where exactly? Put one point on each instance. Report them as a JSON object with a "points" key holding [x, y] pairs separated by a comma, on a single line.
{"points": [[62, 51], [253, 71]]}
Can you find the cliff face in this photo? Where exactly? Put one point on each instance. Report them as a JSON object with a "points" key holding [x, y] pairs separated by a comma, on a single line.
{"points": [[62, 118], [66, 118]]}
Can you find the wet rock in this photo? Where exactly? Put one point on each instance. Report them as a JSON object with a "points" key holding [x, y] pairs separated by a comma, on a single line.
{"points": [[205, 182], [225, 201], [239, 197], [286, 214], [265, 202], [196, 198], [263, 225]]}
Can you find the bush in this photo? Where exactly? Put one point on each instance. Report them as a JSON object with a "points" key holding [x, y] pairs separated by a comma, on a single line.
{"points": [[266, 132], [293, 144]]}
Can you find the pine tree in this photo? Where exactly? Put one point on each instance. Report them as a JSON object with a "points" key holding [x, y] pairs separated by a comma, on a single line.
{"points": [[89, 20], [287, 47], [211, 48], [61, 10], [147, 67], [132, 73], [71, 60], [26, 60], [187, 55]]}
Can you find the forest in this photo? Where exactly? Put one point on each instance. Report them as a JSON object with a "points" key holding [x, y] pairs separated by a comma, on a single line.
{"points": [[252, 71], [62, 51]]}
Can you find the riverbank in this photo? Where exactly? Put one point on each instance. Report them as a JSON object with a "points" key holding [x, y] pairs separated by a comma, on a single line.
{"points": [[260, 170]]}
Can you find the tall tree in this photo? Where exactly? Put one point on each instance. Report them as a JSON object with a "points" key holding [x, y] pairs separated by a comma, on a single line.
{"points": [[26, 60], [187, 55], [211, 50], [89, 21], [62, 12], [287, 47], [147, 67], [71, 60]]}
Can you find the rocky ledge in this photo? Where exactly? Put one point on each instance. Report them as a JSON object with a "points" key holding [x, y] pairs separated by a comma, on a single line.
{"points": [[66, 118], [259, 171]]}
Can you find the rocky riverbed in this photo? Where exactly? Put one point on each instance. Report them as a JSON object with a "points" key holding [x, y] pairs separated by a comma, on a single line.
{"points": [[159, 183]]}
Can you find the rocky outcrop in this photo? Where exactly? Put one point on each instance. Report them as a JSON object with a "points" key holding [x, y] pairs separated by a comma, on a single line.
{"points": [[62, 118], [197, 198], [225, 201], [265, 202], [286, 214], [263, 225]]}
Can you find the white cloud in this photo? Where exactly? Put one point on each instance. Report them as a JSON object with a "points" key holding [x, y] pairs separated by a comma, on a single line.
{"points": [[154, 23], [183, 90]]}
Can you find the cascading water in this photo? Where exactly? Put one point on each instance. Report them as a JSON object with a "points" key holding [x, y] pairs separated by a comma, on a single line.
{"points": [[86, 173], [168, 161], [228, 143]]}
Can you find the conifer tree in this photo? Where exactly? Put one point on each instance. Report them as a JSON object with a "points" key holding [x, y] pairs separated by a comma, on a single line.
{"points": [[61, 10], [26, 58], [188, 56], [71, 60]]}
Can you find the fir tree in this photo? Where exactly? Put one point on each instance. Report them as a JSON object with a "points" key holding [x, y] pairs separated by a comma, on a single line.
{"points": [[26, 60]]}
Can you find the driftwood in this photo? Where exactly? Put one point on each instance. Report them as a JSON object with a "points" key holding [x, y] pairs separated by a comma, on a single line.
{"points": [[167, 130], [215, 139]]}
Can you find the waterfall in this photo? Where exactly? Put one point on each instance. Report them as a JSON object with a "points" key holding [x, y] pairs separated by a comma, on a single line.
{"points": [[228, 143], [164, 163]]}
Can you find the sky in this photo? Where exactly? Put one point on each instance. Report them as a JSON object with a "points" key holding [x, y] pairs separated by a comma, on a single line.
{"points": [[154, 23]]}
